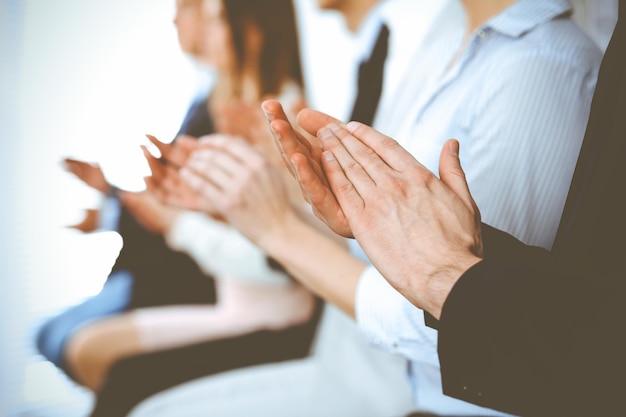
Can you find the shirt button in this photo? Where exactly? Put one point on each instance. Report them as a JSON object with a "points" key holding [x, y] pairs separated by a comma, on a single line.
{"points": [[377, 341], [481, 33], [464, 388]]}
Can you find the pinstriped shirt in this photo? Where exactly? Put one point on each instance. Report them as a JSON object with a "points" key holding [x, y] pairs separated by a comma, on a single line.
{"points": [[517, 98]]}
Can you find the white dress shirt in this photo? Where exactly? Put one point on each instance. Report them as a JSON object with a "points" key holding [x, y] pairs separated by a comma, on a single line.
{"points": [[517, 99]]}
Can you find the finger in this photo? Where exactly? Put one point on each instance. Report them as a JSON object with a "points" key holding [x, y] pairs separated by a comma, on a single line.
{"points": [[354, 172], [291, 143], [76, 162], [73, 166], [387, 148], [274, 112], [318, 194], [172, 184], [182, 147], [279, 122], [344, 191], [229, 155], [369, 160], [218, 167], [192, 179], [313, 190], [235, 148], [164, 148], [312, 121], [210, 191], [157, 169], [451, 172]]}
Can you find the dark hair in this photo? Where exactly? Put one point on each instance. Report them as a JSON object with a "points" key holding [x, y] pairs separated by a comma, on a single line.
{"points": [[280, 51]]}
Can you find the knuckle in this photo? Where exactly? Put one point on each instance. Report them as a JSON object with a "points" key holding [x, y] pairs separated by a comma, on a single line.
{"points": [[352, 166], [345, 188], [366, 153], [390, 144]]}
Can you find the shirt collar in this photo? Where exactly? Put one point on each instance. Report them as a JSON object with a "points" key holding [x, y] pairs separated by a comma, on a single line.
{"points": [[525, 15], [367, 33]]}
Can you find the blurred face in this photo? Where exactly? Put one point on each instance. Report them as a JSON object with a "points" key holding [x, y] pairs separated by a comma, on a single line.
{"points": [[338, 5], [217, 46], [188, 22]]}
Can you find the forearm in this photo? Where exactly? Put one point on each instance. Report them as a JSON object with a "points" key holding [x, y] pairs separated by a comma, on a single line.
{"points": [[317, 261]]}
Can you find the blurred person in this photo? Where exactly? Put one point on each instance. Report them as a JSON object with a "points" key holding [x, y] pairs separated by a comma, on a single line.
{"points": [[523, 329], [260, 315], [345, 349], [146, 272], [513, 64]]}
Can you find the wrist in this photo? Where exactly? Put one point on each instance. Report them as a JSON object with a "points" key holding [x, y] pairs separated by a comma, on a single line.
{"points": [[111, 191], [282, 235], [441, 281]]}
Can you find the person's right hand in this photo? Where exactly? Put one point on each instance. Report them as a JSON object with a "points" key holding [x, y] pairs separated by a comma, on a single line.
{"points": [[90, 174], [176, 153], [166, 184], [89, 223], [303, 158]]}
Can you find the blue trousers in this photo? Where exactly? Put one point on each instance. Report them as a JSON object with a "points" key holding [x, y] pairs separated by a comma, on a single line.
{"points": [[113, 298]]}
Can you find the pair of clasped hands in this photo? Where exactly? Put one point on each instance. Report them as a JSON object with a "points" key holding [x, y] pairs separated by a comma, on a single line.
{"points": [[421, 232]]}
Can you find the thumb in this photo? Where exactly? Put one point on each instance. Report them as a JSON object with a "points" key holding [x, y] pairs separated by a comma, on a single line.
{"points": [[451, 173]]}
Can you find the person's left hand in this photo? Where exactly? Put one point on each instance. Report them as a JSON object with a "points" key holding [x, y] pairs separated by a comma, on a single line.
{"points": [[422, 233], [165, 183], [149, 211], [242, 185]]}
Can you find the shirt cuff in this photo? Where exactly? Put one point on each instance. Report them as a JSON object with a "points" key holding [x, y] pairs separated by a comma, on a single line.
{"points": [[390, 322]]}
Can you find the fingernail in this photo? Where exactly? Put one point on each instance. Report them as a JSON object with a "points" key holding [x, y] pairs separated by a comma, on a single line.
{"points": [[295, 170], [453, 148], [325, 133], [334, 127], [274, 132], [351, 126], [328, 156], [268, 115]]}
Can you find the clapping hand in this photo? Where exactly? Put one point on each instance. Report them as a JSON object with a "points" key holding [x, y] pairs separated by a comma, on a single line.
{"points": [[303, 157]]}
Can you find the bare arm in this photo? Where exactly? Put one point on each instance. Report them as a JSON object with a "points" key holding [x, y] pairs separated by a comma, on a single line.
{"points": [[249, 192]]}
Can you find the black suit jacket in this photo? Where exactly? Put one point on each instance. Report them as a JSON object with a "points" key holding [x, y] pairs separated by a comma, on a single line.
{"points": [[533, 332]]}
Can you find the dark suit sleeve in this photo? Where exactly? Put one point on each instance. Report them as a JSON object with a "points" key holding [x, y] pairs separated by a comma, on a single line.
{"points": [[486, 338], [501, 246], [532, 341]]}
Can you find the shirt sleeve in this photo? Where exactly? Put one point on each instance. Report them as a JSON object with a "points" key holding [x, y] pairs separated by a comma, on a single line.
{"points": [[221, 250], [390, 322]]}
